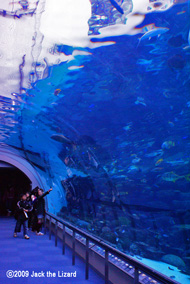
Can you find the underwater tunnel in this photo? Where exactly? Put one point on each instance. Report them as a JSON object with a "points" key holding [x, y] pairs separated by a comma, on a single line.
{"points": [[95, 103]]}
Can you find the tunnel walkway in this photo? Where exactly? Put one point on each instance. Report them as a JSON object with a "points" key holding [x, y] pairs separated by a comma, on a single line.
{"points": [[40, 255]]}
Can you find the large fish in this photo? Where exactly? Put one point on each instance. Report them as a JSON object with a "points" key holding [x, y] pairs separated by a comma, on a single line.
{"points": [[119, 9], [172, 177], [62, 139], [188, 46], [152, 33]]}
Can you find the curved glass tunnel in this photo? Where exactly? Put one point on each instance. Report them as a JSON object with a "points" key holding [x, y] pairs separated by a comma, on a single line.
{"points": [[11, 176], [95, 97]]}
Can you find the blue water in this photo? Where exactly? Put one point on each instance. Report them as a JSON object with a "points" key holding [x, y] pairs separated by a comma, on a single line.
{"points": [[113, 136]]}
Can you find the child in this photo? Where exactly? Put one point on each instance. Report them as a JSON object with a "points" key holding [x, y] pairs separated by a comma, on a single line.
{"points": [[22, 208]]}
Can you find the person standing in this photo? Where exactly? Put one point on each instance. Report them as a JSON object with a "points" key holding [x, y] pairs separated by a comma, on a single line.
{"points": [[29, 200], [39, 210], [22, 209]]}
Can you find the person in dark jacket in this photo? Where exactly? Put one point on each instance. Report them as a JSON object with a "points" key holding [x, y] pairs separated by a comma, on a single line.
{"points": [[39, 210], [29, 200], [23, 207]]}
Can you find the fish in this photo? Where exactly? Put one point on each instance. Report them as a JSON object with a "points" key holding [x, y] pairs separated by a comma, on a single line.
{"points": [[123, 193], [57, 91], [136, 160], [167, 94], [144, 61], [133, 169], [177, 162], [150, 144], [168, 144], [152, 33], [158, 162], [62, 139], [119, 9], [128, 126], [181, 12], [92, 160], [186, 47], [171, 177], [140, 100], [171, 123], [155, 153], [143, 180], [188, 39]]}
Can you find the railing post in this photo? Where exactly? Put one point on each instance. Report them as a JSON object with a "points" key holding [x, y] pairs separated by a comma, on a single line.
{"points": [[136, 277], [106, 266], [45, 220], [50, 228], [56, 233], [73, 247], [87, 259], [63, 244]]}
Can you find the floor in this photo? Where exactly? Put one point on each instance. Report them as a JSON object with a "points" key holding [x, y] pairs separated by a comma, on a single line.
{"points": [[37, 260]]}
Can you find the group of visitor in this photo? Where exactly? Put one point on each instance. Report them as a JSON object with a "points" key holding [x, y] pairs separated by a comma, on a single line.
{"points": [[31, 211]]}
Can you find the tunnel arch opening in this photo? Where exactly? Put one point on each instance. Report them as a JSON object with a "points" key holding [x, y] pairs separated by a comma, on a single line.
{"points": [[11, 157], [17, 175], [13, 182]]}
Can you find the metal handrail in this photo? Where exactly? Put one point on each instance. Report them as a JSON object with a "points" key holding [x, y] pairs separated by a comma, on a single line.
{"points": [[138, 266]]}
